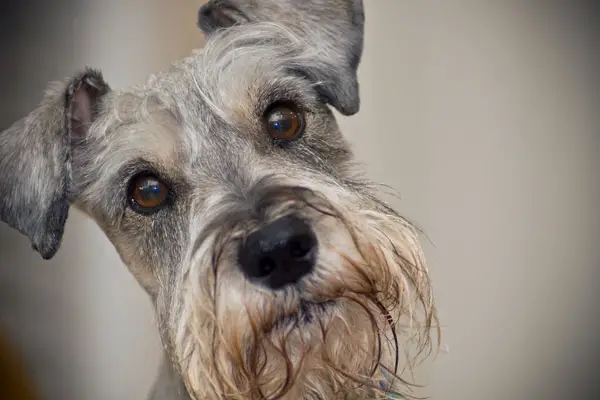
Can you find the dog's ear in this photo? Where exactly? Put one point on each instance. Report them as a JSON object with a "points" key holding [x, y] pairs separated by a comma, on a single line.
{"points": [[336, 27], [35, 164]]}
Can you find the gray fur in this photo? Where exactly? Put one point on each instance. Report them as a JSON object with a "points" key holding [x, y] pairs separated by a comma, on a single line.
{"points": [[336, 27], [35, 160], [199, 126]]}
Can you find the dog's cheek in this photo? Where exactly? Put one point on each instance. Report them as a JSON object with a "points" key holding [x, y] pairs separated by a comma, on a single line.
{"points": [[323, 147], [151, 246]]}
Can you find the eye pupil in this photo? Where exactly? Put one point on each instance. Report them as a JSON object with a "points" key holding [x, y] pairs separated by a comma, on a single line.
{"points": [[284, 123], [148, 193], [281, 126]]}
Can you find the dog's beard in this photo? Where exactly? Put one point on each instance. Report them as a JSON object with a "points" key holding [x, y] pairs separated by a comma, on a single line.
{"points": [[338, 336]]}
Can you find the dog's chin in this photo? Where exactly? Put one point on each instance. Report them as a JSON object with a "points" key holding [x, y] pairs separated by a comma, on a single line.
{"points": [[308, 313]]}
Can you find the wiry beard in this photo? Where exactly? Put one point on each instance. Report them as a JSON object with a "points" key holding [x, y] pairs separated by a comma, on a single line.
{"points": [[333, 337]]}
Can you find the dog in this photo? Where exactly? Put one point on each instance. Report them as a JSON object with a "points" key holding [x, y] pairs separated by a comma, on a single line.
{"points": [[228, 190]]}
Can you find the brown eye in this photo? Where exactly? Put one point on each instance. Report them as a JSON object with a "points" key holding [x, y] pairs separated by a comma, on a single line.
{"points": [[284, 122], [148, 193]]}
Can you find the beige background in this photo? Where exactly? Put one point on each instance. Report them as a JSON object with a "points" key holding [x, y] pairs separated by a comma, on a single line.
{"points": [[482, 114]]}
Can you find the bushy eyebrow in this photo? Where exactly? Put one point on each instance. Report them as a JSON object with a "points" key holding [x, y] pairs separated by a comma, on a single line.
{"points": [[291, 88]]}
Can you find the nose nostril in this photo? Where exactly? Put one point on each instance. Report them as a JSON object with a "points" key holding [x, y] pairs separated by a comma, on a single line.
{"points": [[300, 246], [266, 266]]}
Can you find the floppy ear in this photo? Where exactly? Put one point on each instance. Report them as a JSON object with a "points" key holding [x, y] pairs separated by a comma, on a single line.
{"points": [[335, 26], [35, 162]]}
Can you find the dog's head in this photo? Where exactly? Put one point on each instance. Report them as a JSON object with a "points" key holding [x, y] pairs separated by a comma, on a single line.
{"points": [[228, 190]]}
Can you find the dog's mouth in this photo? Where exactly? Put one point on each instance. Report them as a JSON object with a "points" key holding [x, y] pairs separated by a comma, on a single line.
{"points": [[307, 313]]}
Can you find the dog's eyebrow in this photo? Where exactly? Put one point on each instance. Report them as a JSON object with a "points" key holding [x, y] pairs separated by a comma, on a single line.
{"points": [[294, 91], [137, 166]]}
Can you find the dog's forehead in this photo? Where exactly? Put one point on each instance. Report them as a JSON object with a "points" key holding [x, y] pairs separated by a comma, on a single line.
{"points": [[214, 97], [226, 85]]}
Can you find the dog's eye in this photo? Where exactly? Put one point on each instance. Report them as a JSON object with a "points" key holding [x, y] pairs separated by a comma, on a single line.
{"points": [[147, 193], [284, 122]]}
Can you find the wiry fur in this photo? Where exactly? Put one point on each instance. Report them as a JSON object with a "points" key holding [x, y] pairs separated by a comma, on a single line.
{"points": [[371, 266], [335, 334]]}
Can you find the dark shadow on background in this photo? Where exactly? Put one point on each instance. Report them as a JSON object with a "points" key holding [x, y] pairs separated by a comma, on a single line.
{"points": [[36, 301], [577, 377]]}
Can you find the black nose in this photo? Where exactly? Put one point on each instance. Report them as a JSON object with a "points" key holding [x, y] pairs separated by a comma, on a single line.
{"points": [[280, 253]]}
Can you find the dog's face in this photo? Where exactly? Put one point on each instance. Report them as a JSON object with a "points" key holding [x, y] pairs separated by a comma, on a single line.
{"points": [[228, 190]]}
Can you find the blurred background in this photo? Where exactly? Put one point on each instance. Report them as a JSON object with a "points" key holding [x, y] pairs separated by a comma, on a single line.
{"points": [[483, 115]]}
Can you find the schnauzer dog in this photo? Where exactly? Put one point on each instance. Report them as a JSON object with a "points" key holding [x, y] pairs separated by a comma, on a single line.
{"points": [[228, 190]]}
